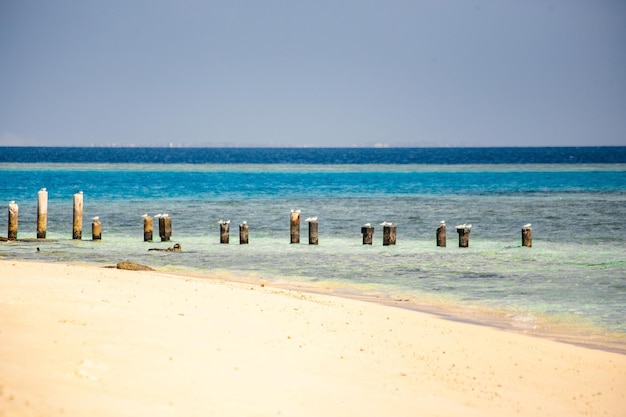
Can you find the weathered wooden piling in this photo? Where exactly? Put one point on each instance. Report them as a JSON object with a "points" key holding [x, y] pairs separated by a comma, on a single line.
{"points": [[161, 226], [313, 230], [78, 216], [224, 231], [243, 233], [42, 213], [165, 227], [527, 235], [295, 226], [389, 234], [368, 233], [96, 229], [441, 234], [148, 226], [464, 230], [13, 220]]}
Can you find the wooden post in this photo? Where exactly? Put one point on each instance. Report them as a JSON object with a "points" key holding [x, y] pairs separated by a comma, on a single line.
{"points": [[168, 227], [78, 216], [148, 226], [165, 227], [96, 229], [243, 233], [161, 226], [464, 230], [527, 235], [368, 233], [42, 213], [389, 234], [295, 226], [441, 234], [313, 230], [224, 231], [13, 217]]}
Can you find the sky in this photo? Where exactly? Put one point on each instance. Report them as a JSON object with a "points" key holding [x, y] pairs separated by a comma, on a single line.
{"points": [[291, 73]]}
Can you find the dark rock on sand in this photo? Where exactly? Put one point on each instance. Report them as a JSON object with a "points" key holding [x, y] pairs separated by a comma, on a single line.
{"points": [[131, 266]]}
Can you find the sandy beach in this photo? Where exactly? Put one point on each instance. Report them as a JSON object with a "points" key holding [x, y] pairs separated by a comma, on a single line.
{"points": [[83, 340]]}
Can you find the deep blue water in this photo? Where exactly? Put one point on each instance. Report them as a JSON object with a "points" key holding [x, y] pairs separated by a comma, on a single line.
{"points": [[321, 156], [571, 284]]}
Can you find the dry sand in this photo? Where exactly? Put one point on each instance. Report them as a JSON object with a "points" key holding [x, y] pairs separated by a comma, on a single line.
{"points": [[89, 341]]}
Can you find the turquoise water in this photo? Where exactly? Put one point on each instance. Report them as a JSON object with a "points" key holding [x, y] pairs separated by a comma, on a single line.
{"points": [[570, 285]]}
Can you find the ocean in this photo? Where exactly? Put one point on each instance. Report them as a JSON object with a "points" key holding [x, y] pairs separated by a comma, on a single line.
{"points": [[570, 285]]}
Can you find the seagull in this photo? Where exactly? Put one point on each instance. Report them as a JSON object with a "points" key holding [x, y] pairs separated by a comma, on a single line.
{"points": [[43, 189], [244, 222], [145, 215], [526, 226], [165, 215], [12, 202], [443, 222], [156, 216], [461, 226], [386, 224], [311, 219], [468, 226], [96, 218], [224, 222], [367, 225], [295, 211]]}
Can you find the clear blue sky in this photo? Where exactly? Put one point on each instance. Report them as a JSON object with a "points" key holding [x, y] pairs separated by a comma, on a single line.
{"points": [[314, 73]]}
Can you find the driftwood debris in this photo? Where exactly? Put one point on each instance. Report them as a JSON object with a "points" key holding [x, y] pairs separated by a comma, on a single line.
{"points": [[175, 248]]}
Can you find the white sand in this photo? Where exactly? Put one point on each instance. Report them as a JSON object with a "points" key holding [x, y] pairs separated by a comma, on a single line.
{"points": [[88, 341]]}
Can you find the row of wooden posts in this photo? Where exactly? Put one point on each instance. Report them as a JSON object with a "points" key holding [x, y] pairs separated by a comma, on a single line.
{"points": [[165, 226]]}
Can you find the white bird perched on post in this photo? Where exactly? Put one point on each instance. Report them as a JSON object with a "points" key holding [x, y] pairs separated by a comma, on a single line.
{"points": [[43, 189], [311, 219], [526, 226], [367, 225], [156, 216], [464, 226], [295, 211], [145, 215], [12, 202], [443, 222], [386, 224], [224, 222], [244, 222], [95, 218]]}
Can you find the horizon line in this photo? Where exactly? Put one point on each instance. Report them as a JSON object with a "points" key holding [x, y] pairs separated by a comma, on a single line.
{"points": [[305, 147]]}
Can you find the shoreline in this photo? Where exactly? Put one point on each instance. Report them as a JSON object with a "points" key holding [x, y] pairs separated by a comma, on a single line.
{"points": [[559, 329], [570, 331], [81, 339]]}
